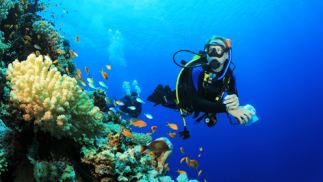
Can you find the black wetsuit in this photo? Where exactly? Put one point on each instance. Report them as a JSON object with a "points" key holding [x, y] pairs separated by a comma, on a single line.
{"points": [[203, 102], [127, 103]]}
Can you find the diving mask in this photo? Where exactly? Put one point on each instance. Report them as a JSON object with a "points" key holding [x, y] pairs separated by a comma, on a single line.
{"points": [[215, 49]]}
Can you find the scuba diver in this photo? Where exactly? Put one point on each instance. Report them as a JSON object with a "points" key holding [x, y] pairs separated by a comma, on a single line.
{"points": [[131, 107], [201, 85]]}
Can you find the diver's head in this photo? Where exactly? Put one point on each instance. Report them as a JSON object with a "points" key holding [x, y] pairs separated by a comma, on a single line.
{"points": [[217, 52], [134, 96]]}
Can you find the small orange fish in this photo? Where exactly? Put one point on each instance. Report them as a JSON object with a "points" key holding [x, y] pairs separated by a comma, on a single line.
{"points": [[81, 77], [43, 23], [10, 26], [38, 36], [48, 6], [77, 39], [199, 174], [27, 37], [56, 61], [182, 160], [62, 24], [87, 70], [16, 15], [59, 64], [26, 7], [60, 52], [181, 172], [57, 5], [37, 53], [172, 126], [72, 54], [56, 34], [199, 155], [201, 149], [182, 150], [22, 1], [139, 123], [65, 60], [188, 162], [108, 67], [20, 7], [16, 26], [101, 112], [127, 133], [78, 78], [104, 74], [166, 165], [148, 134], [67, 71], [194, 164], [153, 128], [173, 135], [27, 29], [78, 71], [13, 6]]}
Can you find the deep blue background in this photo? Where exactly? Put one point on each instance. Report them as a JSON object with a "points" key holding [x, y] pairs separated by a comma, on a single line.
{"points": [[277, 47]]}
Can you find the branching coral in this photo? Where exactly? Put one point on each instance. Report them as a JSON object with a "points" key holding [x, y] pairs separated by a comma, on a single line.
{"points": [[53, 171], [6, 149], [4, 8], [54, 101]]}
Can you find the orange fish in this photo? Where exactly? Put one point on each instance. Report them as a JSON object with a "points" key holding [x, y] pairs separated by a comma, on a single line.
{"points": [[37, 53], [13, 6], [87, 70], [16, 14], [201, 149], [181, 172], [57, 5], [38, 36], [81, 77], [148, 134], [108, 67], [26, 7], [16, 26], [172, 126], [173, 135], [48, 6], [53, 16], [56, 34], [78, 71], [199, 174], [139, 123], [182, 160], [166, 165], [43, 23], [101, 112], [127, 133], [104, 74], [194, 164], [199, 155], [67, 71], [188, 162], [155, 146], [65, 60], [77, 39], [27, 29], [56, 61], [27, 37], [78, 78], [154, 128], [62, 24], [61, 52], [182, 150], [72, 54], [59, 64], [22, 1]]}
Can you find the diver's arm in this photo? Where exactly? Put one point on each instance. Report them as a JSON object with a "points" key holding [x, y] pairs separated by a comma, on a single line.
{"points": [[197, 95]]}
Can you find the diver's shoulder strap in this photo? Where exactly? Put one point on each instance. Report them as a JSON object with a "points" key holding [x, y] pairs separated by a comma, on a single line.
{"points": [[226, 81]]}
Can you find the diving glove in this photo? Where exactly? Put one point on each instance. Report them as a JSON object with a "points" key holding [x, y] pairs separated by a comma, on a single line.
{"points": [[241, 114], [185, 134]]}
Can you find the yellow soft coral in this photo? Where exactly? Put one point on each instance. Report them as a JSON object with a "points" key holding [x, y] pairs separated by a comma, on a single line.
{"points": [[55, 102]]}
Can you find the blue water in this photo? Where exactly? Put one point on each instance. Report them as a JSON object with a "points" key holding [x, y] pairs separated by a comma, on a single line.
{"points": [[277, 47]]}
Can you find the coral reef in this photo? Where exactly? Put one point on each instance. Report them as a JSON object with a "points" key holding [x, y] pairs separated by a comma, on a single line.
{"points": [[53, 171], [99, 96], [53, 101], [4, 8], [6, 149]]}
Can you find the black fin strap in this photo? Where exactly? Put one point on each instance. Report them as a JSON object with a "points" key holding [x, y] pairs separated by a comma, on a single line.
{"points": [[199, 119]]}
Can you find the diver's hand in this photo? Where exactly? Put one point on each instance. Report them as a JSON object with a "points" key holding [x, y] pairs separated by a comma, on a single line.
{"points": [[232, 101], [243, 115]]}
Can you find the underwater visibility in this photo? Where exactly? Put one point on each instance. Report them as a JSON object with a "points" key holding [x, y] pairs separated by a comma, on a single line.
{"points": [[160, 91]]}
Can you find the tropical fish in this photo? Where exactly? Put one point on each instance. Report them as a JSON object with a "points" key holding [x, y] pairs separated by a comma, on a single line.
{"points": [[172, 126], [111, 113], [92, 85], [87, 70], [16, 26], [109, 101], [182, 150], [89, 80], [201, 149], [37, 46], [166, 165], [77, 39], [148, 134], [16, 14], [153, 128], [43, 23], [149, 116], [53, 16], [194, 164], [37, 53], [111, 108], [139, 123], [108, 67], [173, 135], [60, 52], [78, 78], [140, 100], [155, 146], [57, 5], [199, 155], [27, 29], [27, 37], [67, 71], [127, 133], [101, 112], [38, 36], [199, 174], [59, 64], [181, 172], [102, 84], [205, 180], [62, 24], [188, 162], [120, 103], [132, 108], [72, 54], [182, 160], [56, 61], [78, 71], [76, 54], [83, 83], [104, 74], [56, 34]]}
